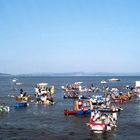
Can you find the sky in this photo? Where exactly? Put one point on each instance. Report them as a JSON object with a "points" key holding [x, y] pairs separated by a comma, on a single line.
{"points": [[58, 36]]}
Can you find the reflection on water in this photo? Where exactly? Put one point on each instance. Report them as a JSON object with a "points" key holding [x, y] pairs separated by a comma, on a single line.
{"points": [[103, 136]]}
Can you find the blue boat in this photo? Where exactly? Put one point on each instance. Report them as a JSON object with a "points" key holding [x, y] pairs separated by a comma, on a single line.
{"points": [[18, 105], [88, 112]]}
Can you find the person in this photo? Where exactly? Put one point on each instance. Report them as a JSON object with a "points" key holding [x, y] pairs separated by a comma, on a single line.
{"points": [[43, 98], [52, 90], [36, 90], [21, 92], [97, 115], [108, 100], [78, 104], [24, 94], [92, 102]]}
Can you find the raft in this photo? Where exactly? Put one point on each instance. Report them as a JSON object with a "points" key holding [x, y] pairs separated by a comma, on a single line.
{"points": [[18, 105], [4, 108]]}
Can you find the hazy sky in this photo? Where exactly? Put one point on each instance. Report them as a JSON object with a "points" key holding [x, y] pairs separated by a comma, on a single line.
{"points": [[69, 36]]}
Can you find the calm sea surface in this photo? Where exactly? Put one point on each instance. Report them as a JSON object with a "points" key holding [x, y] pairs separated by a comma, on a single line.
{"points": [[40, 122]]}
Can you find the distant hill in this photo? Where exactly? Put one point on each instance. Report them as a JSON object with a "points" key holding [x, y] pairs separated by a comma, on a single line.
{"points": [[4, 74], [82, 74]]}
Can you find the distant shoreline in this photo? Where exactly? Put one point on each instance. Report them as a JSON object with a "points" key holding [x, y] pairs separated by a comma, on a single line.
{"points": [[75, 74]]}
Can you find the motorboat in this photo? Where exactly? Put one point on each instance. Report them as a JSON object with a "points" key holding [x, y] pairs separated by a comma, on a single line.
{"points": [[114, 79], [103, 82]]}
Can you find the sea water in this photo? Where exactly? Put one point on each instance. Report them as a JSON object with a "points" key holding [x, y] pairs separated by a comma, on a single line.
{"points": [[41, 122]]}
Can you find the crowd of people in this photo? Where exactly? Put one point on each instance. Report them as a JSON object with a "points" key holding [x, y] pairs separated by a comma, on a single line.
{"points": [[44, 95]]}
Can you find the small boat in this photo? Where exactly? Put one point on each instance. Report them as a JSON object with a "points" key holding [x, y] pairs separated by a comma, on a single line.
{"points": [[114, 79], [69, 97], [77, 112], [4, 108], [15, 81], [88, 112], [19, 83], [24, 98], [118, 100], [75, 97], [103, 82], [97, 127], [19, 105]]}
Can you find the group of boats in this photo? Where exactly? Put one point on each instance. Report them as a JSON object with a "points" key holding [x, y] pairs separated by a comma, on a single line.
{"points": [[43, 94], [103, 109]]}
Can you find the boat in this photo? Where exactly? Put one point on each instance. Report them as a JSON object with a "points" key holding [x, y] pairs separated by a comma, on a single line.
{"points": [[4, 108], [69, 97], [24, 98], [119, 100], [15, 81], [97, 127], [103, 82], [88, 112], [114, 79], [123, 98], [19, 83], [47, 102], [22, 104], [41, 88], [66, 96], [77, 112]]}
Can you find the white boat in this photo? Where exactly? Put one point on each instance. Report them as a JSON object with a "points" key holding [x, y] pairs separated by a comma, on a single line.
{"points": [[14, 80], [18, 83], [114, 79], [42, 87], [103, 82], [4, 108]]}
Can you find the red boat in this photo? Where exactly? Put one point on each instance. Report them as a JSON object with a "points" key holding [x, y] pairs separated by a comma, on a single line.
{"points": [[77, 112], [70, 112], [119, 100], [97, 127]]}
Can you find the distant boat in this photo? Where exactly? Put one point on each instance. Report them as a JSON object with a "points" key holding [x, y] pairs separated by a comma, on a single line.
{"points": [[114, 79], [14, 80], [103, 82], [18, 83]]}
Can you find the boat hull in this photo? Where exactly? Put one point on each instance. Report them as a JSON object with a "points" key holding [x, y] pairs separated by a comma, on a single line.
{"points": [[87, 112], [19, 105]]}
